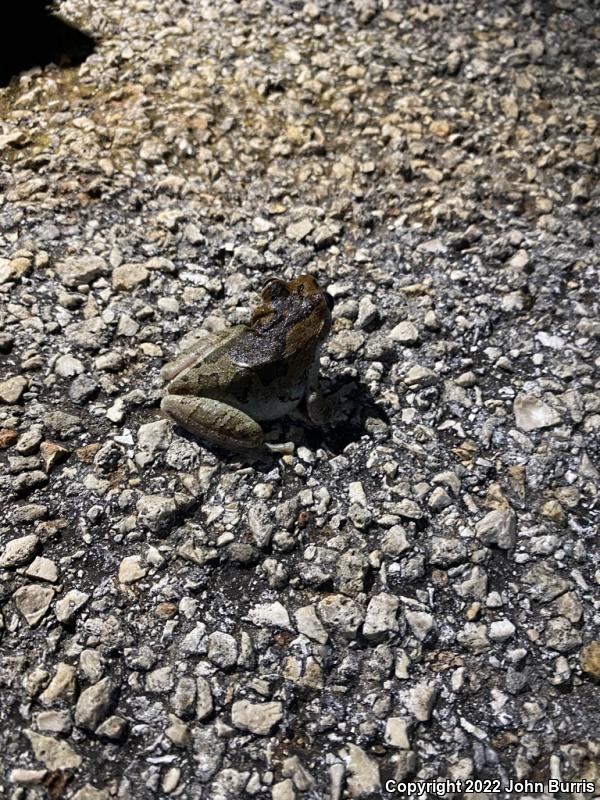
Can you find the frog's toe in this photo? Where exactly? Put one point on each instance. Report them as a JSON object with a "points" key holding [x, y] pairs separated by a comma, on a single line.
{"points": [[168, 405], [285, 448]]}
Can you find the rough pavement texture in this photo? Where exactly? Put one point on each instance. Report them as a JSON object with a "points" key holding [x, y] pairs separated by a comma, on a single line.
{"points": [[414, 593]]}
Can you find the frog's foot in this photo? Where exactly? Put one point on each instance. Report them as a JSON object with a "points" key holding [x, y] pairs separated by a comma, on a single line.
{"points": [[320, 410], [326, 411], [286, 448]]}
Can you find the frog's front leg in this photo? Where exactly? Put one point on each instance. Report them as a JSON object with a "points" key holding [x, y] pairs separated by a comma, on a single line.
{"points": [[219, 423], [318, 408], [323, 411]]}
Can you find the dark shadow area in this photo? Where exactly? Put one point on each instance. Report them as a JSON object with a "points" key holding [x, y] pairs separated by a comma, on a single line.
{"points": [[30, 36], [351, 422]]}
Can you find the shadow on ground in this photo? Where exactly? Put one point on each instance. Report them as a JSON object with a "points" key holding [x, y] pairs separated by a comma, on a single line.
{"points": [[30, 36]]}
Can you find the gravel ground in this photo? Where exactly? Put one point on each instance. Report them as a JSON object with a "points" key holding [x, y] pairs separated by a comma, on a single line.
{"points": [[413, 594]]}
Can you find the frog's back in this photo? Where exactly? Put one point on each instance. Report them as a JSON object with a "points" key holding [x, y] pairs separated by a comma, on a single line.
{"points": [[269, 384]]}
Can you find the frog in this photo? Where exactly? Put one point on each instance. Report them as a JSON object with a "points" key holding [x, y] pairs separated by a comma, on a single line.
{"points": [[223, 387]]}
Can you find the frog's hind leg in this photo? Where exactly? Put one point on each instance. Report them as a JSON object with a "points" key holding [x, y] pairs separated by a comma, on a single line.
{"points": [[218, 423]]}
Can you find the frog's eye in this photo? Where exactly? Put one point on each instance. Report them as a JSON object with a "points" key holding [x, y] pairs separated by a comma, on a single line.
{"points": [[275, 289], [330, 301]]}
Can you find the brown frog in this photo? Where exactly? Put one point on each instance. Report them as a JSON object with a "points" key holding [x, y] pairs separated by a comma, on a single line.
{"points": [[225, 385]]}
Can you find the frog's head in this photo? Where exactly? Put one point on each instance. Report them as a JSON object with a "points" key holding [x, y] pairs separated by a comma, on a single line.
{"points": [[299, 309]]}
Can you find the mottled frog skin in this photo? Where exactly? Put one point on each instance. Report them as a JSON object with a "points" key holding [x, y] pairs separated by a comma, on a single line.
{"points": [[225, 385]]}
